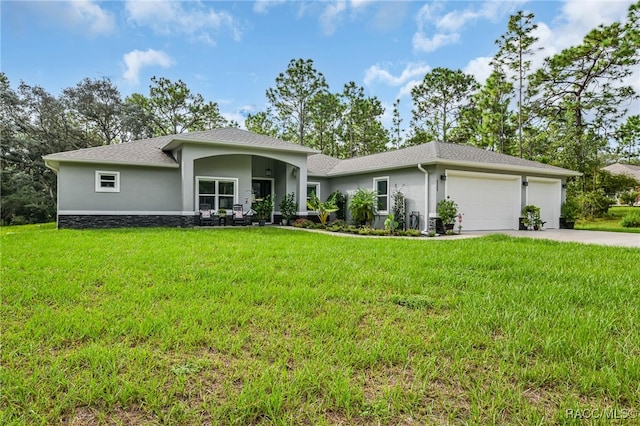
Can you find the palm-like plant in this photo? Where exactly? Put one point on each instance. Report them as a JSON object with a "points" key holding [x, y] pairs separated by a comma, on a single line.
{"points": [[363, 206], [323, 209]]}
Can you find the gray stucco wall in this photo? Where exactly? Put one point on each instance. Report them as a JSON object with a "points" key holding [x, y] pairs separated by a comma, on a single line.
{"points": [[410, 181], [143, 189]]}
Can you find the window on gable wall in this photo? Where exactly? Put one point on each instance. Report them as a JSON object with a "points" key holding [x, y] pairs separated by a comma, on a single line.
{"points": [[381, 186], [107, 181]]}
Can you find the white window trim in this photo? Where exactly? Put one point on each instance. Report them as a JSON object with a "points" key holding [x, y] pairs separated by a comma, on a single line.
{"points": [[100, 188], [317, 185], [215, 179], [387, 195]]}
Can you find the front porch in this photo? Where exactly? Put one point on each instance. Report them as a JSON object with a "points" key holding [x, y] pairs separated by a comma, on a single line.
{"points": [[220, 182]]}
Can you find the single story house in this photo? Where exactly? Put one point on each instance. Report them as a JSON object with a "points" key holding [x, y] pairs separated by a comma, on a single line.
{"points": [[162, 181], [625, 169]]}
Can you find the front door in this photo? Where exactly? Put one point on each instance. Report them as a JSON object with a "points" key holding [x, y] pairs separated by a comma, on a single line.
{"points": [[260, 188]]}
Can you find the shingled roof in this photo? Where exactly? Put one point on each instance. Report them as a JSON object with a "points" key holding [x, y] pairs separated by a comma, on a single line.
{"points": [[624, 169], [425, 154], [157, 151]]}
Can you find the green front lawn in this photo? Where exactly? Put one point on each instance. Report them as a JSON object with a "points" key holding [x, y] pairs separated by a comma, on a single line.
{"points": [[611, 222], [271, 326]]}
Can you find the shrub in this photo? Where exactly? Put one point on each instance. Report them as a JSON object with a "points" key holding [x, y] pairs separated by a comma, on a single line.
{"points": [[288, 206], [632, 220], [399, 209], [323, 209], [339, 223], [390, 223], [628, 197], [570, 210], [363, 206], [593, 204], [340, 201], [303, 223], [447, 211]]}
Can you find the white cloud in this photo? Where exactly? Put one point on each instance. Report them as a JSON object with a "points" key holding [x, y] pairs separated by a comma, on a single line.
{"points": [[452, 23], [578, 18], [263, 6], [85, 12], [331, 16], [137, 59], [377, 73], [173, 17], [480, 68], [82, 16], [406, 89], [421, 43]]}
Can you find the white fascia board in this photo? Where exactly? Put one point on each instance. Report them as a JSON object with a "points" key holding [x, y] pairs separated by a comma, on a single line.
{"points": [[378, 169], [52, 164], [96, 161], [174, 143], [510, 168]]}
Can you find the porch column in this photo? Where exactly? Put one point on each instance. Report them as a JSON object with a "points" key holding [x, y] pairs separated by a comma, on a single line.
{"points": [[188, 194], [302, 190]]}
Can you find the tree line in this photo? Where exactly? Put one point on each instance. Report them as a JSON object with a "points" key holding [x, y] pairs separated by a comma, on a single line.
{"points": [[35, 123], [571, 112]]}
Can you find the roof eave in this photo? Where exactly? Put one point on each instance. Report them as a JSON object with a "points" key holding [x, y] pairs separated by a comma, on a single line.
{"points": [[175, 143], [511, 168], [54, 163], [444, 162]]}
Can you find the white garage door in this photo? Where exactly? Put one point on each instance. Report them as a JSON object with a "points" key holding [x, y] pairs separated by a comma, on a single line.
{"points": [[546, 194], [487, 201]]}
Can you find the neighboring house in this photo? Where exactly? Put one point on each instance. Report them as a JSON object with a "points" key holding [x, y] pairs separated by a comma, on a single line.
{"points": [[162, 181], [625, 169]]}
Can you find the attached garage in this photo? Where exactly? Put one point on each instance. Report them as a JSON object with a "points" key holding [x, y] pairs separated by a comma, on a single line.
{"points": [[488, 201], [545, 193]]}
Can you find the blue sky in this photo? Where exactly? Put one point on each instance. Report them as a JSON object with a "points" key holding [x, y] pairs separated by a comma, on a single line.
{"points": [[231, 52]]}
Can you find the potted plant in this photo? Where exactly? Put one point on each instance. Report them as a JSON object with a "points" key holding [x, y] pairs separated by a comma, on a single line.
{"points": [[531, 217], [222, 217], [288, 208], [447, 211], [263, 209], [568, 214]]}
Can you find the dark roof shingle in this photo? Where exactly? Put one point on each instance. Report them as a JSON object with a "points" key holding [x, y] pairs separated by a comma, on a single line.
{"points": [[428, 153]]}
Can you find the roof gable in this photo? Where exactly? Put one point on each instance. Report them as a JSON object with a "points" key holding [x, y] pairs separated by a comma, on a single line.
{"points": [[157, 151]]}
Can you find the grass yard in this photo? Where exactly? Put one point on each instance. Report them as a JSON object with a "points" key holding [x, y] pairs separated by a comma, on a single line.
{"points": [[611, 222], [270, 326]]}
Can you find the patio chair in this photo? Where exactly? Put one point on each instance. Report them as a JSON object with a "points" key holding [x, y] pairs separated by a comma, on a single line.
{"points": [[206, 217], [238, 216]]}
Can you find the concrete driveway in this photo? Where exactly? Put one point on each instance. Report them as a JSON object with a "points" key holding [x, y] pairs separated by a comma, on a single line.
{"points": [[621, 239]]}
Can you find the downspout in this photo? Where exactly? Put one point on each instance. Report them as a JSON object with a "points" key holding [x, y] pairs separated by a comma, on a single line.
{"points": [[426, 197]]}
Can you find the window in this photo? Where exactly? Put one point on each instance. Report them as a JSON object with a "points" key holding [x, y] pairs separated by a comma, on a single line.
{"points": [[107, 181], [219, 193], [381, 186], [313, 187]]}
